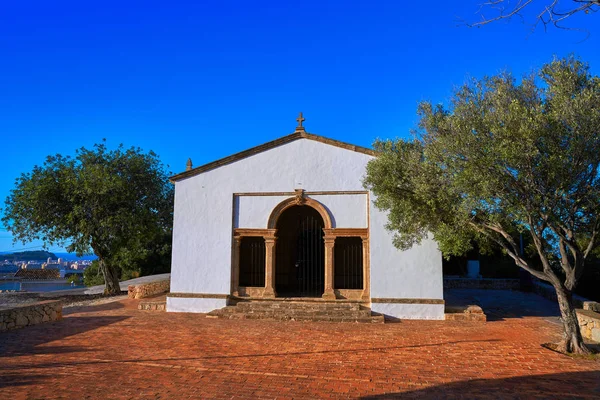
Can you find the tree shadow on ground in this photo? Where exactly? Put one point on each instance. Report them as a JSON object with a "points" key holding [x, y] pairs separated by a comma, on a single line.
{"points": [[30, 340], [502, 304], [153, 361], [114, 305], [18, 379], [551, 386]]}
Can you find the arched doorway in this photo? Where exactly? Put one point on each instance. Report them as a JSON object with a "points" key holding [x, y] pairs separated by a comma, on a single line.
{"points": [[300, 253]]}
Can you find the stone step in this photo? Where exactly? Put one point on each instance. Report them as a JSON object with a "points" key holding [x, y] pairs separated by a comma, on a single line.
{"points": [[152, 305], [465, 317], [292, 312], [312, 318], [298, 311], [299, 306]]}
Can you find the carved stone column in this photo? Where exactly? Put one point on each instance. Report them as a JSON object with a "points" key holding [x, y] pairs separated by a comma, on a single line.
{"points": [[235, 266], [328, 293], [366, 294], [270, 267]]}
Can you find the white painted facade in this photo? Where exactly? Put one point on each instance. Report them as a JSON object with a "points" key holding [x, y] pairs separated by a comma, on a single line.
{"points": [[207, 211]]}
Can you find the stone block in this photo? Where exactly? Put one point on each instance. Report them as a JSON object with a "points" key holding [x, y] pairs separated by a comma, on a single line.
{"points": [[595, 335], [21, 320], [591, 306], [473, 309]]}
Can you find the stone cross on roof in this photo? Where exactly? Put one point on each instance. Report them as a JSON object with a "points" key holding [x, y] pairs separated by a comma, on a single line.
{"points": [[300, 120]]}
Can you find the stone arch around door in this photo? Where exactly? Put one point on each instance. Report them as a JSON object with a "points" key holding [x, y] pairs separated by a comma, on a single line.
{"points": [[299, 200], [269, 244]]}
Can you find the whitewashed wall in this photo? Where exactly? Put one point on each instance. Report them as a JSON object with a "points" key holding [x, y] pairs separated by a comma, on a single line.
{"points": [[345, 210], [204, 217]]}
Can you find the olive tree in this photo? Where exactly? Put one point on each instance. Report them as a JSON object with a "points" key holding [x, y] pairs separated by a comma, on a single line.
{"points": [[100, 201], [504, 158], [548, 12]]}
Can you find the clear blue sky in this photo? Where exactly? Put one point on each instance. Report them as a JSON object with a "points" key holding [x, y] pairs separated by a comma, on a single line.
{"points": [[205, 79]]}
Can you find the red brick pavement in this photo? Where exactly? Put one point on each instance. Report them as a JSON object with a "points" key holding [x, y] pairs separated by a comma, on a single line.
{"points": [[115, 351]]}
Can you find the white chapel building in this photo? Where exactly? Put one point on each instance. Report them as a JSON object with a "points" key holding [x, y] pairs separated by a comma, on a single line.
{"points": [[290, 220]]}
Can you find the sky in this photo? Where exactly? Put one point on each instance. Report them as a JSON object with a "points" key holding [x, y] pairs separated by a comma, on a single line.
{"points": [[206, 79]]}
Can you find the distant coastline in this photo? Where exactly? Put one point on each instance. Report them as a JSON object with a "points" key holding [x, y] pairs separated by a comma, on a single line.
{"points": [[43, 255], [73, 256]]}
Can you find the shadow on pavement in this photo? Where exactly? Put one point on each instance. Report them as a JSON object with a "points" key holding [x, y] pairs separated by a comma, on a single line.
{"points": [[501, 304], [552, 386], [114, 305], [29, 340], [80, 362]]}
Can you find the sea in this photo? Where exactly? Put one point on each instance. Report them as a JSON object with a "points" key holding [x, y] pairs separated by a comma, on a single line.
{"points": [[48, 286], [73, 256], [37, 286]]}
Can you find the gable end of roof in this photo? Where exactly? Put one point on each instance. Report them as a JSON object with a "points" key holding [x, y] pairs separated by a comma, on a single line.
{"points": [[267, 146]]}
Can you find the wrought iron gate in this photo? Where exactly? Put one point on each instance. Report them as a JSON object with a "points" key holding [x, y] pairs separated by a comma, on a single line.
{"points": [[300, 255], [252, 262], [348, 256]]}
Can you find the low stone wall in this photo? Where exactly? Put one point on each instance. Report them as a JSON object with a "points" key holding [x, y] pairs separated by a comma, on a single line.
{"points": [[30, 314], [464, 313], [143, 290], [591, 306], [487, 283], [547, 291], [589, 322]]}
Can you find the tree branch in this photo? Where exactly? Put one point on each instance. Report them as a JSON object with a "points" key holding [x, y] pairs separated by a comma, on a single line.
{"points": [[551, 14], [511, 251]]}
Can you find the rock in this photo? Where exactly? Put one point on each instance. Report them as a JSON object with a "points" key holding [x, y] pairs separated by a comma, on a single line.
{"points": [[591, 306], [21, 320], [595, 335], [473, 309]]}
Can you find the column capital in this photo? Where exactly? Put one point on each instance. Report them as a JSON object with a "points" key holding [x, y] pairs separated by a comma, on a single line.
{"points": [[270, 240], [329, 240]]}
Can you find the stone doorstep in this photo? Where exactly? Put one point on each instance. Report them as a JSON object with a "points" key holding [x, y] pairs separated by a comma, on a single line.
{"points": [[294, 313], [309, 318], [298, 306], [298, 311], [303, 300]]}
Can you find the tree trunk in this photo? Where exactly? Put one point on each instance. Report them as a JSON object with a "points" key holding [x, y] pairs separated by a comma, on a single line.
{"points": [[111, 280], [572, 341]]}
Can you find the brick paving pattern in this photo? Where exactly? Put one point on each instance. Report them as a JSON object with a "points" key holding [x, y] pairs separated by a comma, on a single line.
{"points": [[115, 351]]}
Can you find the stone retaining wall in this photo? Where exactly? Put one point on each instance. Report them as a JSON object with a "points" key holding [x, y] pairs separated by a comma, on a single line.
{"points": [[469, 283], [30, 314], [148, 289], [589, 322], [546, 290]]}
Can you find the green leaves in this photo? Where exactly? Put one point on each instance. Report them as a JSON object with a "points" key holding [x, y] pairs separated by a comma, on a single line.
{"points": [[503, 157], [100, 201]]}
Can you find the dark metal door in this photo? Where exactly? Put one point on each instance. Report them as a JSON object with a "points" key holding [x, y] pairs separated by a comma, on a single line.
{"points": [[300, 257]]}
